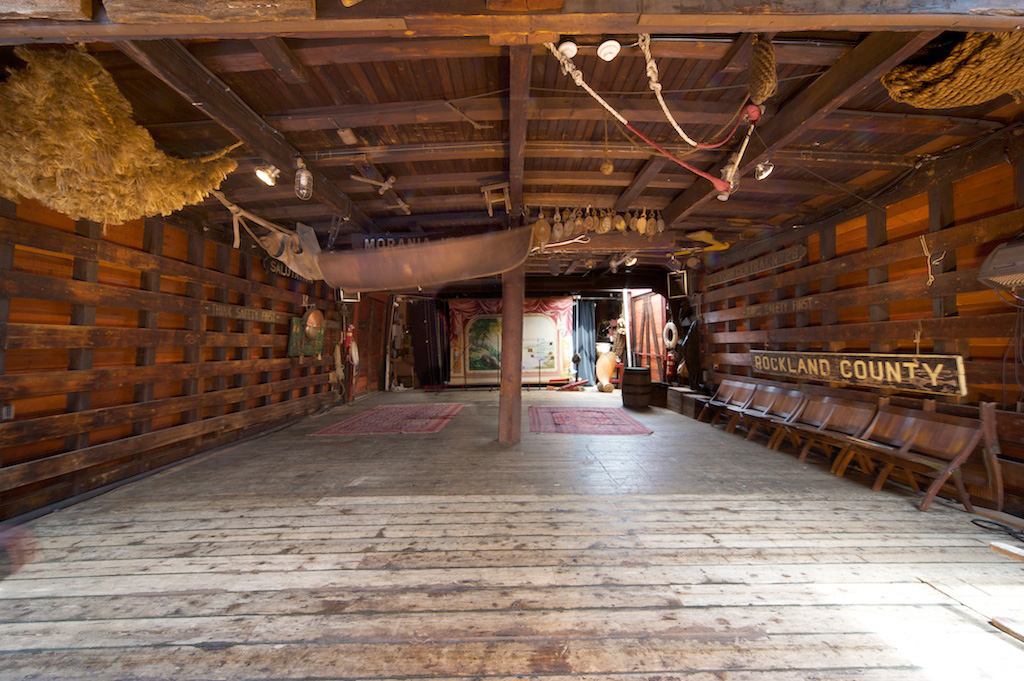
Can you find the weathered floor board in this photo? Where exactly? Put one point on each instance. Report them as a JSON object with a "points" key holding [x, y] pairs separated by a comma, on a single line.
{"points": [[688, 554]]}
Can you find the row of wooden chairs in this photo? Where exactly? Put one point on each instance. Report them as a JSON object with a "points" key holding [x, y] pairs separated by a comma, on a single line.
{"points": [[880, 438]]}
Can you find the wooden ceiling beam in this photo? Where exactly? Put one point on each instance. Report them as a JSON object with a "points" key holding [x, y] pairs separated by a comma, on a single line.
{"points": [[548, 178], [282, 60], [643, 178], [736, 57], [169, 61], [474, 202], [520, 61], [875, 55], [403, 18], [538, 149], [493, 109], [233, 57]]}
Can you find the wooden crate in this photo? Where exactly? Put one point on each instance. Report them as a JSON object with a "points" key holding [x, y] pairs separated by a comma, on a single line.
{"points": [[659, 394], [683, 401]]}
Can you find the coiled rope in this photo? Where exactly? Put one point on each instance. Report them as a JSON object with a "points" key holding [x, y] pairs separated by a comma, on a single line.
{"points": [[979, 68], [764, 80]]}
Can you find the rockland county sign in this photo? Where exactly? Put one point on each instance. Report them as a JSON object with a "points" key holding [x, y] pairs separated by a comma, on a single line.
{"points": [[937, 374]]}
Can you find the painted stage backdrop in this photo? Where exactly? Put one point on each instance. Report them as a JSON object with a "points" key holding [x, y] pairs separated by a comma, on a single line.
{"points": [[476, 340]]}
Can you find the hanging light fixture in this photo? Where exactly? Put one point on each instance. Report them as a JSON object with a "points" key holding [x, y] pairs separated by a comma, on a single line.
{"points": [[303, 180], [569, 48], [631, 261], [268, 174], [609, 49], [764, 169]]}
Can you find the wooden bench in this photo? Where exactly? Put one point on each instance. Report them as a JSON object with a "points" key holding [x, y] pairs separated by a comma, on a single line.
{"points": [[916, 442], [730, 392], [786, 404], [828, 422], [811, 417], [756, 407]]}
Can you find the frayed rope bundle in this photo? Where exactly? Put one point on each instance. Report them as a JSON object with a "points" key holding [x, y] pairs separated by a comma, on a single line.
{"points": [[978, 69], [68, 140]]}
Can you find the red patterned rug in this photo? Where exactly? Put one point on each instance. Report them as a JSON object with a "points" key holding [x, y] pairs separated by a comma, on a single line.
{"points": [[396, 418], [585, 421]]}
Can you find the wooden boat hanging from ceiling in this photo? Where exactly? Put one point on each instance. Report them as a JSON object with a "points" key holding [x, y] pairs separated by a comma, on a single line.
{"points": [[427, 264]]}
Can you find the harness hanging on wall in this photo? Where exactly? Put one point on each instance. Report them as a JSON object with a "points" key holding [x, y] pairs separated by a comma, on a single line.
{"points": [[977, 69], [297, 249], [68, 140]]}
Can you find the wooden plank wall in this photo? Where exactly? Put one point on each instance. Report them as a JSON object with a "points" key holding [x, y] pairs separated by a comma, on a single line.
{"points": [[124, 349], [864, 288]]}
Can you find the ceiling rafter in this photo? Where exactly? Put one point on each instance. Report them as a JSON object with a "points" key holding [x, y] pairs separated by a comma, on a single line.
{"points": [[453, 151], [772, 185], [645, 110], [234, 58], [875, 55], [402, 18], [172, 63], [282, 60], [640, 182], [520, 61]]}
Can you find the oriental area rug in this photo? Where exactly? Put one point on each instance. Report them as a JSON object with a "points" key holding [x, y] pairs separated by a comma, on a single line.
{"points": [[396, 418], [585, 421]]}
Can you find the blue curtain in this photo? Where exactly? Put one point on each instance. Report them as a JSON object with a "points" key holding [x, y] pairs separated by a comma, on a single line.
{"points": [[584, 337]]}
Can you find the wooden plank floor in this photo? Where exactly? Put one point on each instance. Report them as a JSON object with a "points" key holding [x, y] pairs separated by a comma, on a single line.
{"points": [[688, 554]]}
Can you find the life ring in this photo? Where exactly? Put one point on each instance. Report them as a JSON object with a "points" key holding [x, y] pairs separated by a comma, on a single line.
{"points": [[670, 335], [353, 353]]}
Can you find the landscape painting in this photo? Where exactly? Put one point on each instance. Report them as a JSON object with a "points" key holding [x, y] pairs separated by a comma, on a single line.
{"points": [[485, 344]]}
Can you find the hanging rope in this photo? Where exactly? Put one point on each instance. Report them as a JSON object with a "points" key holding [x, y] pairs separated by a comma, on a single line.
{"points": [[979, 68], [570, 70], [764, 81], [655, 84]]}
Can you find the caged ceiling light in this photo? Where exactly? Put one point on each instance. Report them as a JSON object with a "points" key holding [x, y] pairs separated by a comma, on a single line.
{"points": [[764, 169], [303, 180], [268, 174]]}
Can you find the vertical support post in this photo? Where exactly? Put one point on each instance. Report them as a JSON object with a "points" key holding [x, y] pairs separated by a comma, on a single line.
{"points": [[941, 216], [245, 326], [751, 324], [294, 370], [876, 228], [802, 319], [82, 315], [194, 322], [829, 316], [7, 210], [268, 327], [152, 242], [520, 60], [222, 262], [510, 402], [1017, 162]]}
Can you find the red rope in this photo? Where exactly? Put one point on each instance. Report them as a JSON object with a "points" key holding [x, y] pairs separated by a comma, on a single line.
{"points": [[720, 184], [735, 127]]}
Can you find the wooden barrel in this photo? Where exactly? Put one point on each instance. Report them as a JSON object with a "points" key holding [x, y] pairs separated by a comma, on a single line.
{"points": [[636, 388]]}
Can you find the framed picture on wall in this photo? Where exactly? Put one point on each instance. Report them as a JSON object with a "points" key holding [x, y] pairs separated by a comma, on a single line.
{"points": [[678, 284]]}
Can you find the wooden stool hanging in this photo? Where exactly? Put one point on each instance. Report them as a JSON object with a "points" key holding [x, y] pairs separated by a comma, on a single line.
{"points": [[496, 193]]}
